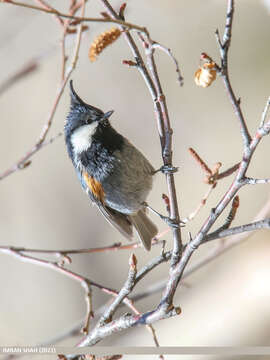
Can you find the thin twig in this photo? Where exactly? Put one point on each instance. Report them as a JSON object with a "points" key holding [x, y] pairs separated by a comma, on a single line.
{"points": [[265, 112], [228, 172], [78, 18], [89, 310], [26, 69], [123, 293], [168, 51], [66, 252], [202, 203], [230, 217], [200, 161], [49, 7], [252, 181], [224, 46], [165, 132], [20, 163]]}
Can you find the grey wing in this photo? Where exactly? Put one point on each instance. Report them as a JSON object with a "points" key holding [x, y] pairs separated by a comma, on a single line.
{"points": [[120, 221]]}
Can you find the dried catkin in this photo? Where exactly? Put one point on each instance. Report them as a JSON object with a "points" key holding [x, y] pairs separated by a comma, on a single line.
{"points": [[102, 41], [205, 75]]}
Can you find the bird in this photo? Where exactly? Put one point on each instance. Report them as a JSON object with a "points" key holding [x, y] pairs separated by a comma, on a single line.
{"points": [[116, 176]]}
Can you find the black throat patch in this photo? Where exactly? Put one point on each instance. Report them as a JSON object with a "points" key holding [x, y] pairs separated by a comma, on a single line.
{"points": [[99, 159]]}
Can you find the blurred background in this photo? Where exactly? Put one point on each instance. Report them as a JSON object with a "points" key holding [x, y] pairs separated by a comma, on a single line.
{"points": [[43, 206]]}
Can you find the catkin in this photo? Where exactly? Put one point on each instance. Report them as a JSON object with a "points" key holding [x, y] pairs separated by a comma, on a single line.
{"points": [[102, 41], [205, 75]]}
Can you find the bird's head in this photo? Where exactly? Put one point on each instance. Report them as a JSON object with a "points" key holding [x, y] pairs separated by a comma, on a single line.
{"points": [[82, 114]]}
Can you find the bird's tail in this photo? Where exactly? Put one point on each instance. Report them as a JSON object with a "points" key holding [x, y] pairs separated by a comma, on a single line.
{"points": [[145, 228]]}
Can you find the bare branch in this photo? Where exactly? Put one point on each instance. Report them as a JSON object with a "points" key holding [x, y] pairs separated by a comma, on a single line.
{"points": [[66, 252], [230, 217], [78, 18], [262, 224], [50, 8], [161, 111], [89, 310], [26, 69], [202, 203], [251, 181], [228, 172], [200, 161], [168, 51], [20, 163], [265, 112], [224, 49]]}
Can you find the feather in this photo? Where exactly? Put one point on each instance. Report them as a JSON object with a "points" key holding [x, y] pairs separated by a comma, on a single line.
{"points": [[145, 228]]}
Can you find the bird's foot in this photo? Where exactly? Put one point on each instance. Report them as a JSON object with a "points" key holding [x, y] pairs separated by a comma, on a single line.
{"points": [[167, 169], [171, 222]]}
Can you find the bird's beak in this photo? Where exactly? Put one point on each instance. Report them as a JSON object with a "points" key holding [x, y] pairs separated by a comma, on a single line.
{"points": [[107, 115]]}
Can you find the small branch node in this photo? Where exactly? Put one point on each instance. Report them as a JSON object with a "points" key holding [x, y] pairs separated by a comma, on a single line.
{"points": [[167, 202], [178, 310], [129, 63], [24, 165], [133, 262], [122, 11]]}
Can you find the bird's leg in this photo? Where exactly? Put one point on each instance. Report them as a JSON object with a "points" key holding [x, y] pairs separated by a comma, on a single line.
{"points": [[169, 221], [167, 169]]}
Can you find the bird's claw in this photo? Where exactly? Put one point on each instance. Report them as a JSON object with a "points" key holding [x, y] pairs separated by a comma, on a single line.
{"points": [[171, 222], [167, 169]]}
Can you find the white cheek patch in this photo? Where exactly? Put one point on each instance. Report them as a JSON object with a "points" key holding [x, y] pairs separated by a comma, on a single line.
{"points": [[81, 138]]}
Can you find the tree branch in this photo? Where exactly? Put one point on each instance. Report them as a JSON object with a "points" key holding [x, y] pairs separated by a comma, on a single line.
{"points": [[224, 46], [20, 164], [50, 10]]}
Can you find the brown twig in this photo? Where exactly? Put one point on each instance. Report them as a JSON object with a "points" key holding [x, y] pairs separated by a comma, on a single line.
{"points": [[26, 69], [67, 252], [211, 179], [200, 161], [86, 283], [50, 8], [20, 163], [78, 18], [210, 173], [202, 203], [228, 172]]}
